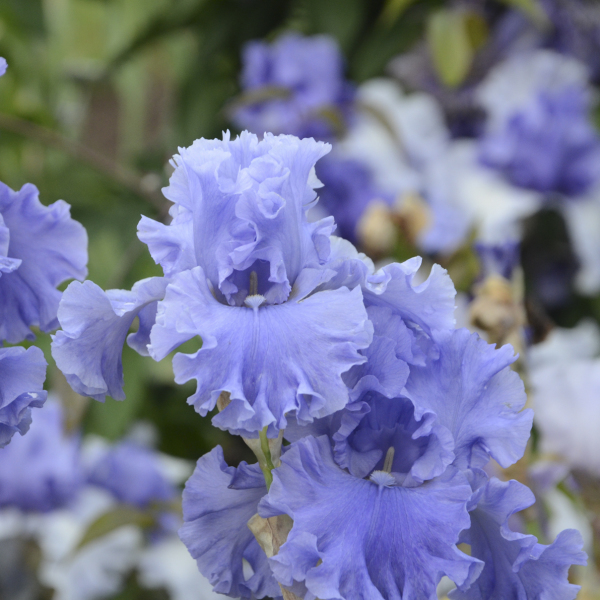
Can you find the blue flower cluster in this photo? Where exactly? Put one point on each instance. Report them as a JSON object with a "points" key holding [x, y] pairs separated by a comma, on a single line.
{"points": [[47, 469], [40, 247], [391, 413]]}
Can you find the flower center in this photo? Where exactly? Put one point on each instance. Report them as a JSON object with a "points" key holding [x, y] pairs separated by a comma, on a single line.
{"points": [[254, 299], [384, 476]]}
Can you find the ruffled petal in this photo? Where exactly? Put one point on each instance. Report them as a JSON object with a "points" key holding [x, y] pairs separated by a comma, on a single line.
{"points": [[216, 512], [95, 324], [247, 202], [385, 370], [275, 212], [22, 375], [474, 394], [422, 449], [430, 305], [52, 248], [272, 360], [516, 566], [374, 541]]}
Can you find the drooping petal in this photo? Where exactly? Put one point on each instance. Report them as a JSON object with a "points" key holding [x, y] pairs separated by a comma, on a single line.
{"points": [[475, 394], [41, 471], [22, 374], [218, 501], [422, 449], [374, 541], [516, 566], [272, 360], [94, 327], [52, 248], [171, 246]]}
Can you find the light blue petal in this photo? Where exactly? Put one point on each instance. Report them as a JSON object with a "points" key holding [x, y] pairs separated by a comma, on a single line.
{"points": [[374, 542], [22, 375], [52, 248], [241, 206], [423, 449], [386, 369], [95, 324], [430, 305], [218, 501], [272, 360], [516, 566], [171, 246], [476, 396]]}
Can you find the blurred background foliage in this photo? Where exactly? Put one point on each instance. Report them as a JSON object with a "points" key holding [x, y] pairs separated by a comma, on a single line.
{"points": [[100, 94]]}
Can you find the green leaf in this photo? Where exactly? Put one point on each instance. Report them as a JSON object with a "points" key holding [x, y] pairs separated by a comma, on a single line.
{"points": [[477, 30], [392, 10], [450, 45], [114, 519]]}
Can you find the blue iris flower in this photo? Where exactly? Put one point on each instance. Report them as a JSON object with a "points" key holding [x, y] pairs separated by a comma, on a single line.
{"points": [[295, 85]]}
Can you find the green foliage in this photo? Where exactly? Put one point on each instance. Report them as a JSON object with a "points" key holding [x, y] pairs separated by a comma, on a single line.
{"points": [[453, 37], [114, 519]]}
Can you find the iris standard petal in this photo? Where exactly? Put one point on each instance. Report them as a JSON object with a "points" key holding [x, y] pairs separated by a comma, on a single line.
{"points": [[430, 304], [241, 206], [171, 246]]}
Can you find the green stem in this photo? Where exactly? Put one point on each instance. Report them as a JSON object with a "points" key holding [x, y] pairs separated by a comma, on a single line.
{"points": [[267, 474], [268, 466]]}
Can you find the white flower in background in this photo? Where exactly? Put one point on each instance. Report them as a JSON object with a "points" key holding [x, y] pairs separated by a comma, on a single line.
{"points": [[96, 570], [514, 82], [168, 564], [565, 381]]}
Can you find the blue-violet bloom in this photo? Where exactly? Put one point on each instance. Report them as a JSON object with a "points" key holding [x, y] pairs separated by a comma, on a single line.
{"points": [[22, 374], [295, 86], [40, 247], [42, 470]]}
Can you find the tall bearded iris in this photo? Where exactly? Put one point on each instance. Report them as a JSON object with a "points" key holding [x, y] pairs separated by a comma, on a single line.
{"points": [[246, 272]]}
